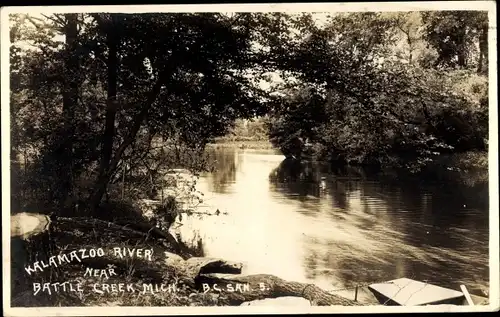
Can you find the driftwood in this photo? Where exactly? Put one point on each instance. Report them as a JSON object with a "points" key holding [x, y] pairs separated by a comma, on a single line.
{"points": [[237, 289], [38, 237]]}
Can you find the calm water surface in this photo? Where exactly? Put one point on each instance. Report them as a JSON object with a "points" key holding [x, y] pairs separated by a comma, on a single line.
{"points": [[308, 223]]}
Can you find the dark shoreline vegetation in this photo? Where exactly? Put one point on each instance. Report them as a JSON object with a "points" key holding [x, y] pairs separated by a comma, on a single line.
{"points": [[113, 117]]}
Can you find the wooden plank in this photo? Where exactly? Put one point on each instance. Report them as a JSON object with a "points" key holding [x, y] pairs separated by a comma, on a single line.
{"points": [[408, 292], [467, 295]]}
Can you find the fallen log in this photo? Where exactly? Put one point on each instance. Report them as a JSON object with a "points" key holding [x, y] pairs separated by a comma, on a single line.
{"points": [[237, 289], [29, 226]]}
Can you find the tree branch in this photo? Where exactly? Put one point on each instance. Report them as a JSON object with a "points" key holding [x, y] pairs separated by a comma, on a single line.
{"points": [[104, 177], [56, 19]]}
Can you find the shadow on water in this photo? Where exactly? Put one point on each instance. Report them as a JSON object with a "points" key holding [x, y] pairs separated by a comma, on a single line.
{"points": [[381, 228], [224, 165], [342, 226]]}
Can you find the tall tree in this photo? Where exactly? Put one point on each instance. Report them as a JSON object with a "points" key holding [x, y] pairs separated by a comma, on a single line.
{"points": [[410, 25], [482, 28], [454, 35], [378, 110], [195, 79], [70, 103], [112, 41]]}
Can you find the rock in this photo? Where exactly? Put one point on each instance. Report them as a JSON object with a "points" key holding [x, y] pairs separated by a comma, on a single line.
{"points": [[26, 224], [179, 171], [171, 258], [197, 266]]}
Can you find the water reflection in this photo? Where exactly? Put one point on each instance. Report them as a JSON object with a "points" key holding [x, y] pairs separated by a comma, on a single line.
{"points": [[225, 163], [311, 223]]}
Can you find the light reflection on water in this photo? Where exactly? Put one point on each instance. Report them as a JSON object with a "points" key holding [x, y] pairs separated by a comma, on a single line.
{"points": [[349, 231]]}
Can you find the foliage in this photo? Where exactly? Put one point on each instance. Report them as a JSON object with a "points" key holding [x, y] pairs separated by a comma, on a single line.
{"points": [[454, 35], [97, 96], [366, 105], [247, 130], [111, 113], [132, 79]]}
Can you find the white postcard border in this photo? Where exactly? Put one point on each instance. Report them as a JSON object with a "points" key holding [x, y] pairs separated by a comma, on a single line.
{"points": [[494, 294]]}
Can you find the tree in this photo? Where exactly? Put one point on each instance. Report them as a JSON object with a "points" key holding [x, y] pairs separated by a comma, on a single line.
{"points": [[45, 99], [409, 24], [101, 100], [188, 77], [454, 35], [175, 76], [482, 28], [376, 107]]}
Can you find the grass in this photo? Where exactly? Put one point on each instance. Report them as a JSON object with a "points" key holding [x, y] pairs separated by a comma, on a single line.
{"points": [[128, 273], [180, 297], [65, 236]]}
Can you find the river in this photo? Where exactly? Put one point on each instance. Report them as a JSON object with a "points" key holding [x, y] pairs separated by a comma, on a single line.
{"points": [[309, 223]]}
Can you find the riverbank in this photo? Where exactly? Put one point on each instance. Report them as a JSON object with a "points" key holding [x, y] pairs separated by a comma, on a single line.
{"points": [[90, 262], [473, 164], [84, 261], [240, 143], [154, 281], [468, 168]]}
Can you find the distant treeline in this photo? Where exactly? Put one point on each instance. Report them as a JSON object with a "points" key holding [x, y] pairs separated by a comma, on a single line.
{"points": [[246, 130]]}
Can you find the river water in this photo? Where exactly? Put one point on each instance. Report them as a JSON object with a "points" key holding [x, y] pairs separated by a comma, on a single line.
{"points": [[309, 223]]}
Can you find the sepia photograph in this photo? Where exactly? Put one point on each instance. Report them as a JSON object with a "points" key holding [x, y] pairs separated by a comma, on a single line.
{"points": [[267, 158]]}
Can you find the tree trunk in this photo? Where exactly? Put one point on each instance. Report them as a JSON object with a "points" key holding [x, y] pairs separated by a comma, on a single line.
{"points": [[71, 84], [112, 64], [64, 154], [462, 61], [462, 49], [103, 179], [109, 129], [483, 49]]}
